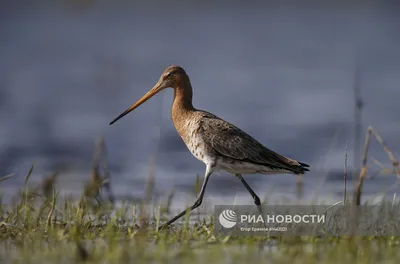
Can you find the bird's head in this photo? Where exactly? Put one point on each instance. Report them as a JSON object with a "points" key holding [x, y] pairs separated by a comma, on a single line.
{"points": [[172, 77]]}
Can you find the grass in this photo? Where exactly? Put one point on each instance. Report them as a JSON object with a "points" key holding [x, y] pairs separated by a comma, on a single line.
{"points": [[40, 226], [41, 230]]}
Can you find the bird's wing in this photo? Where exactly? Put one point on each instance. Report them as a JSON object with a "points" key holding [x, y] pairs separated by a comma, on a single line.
{"points": [[232, 142]]}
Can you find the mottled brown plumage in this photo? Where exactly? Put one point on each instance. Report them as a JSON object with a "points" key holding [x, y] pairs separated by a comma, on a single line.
{"points": [[217, 143], [233, 143]]}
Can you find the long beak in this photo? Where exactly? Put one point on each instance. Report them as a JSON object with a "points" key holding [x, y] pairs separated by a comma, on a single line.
{"points": [[146, 97]]}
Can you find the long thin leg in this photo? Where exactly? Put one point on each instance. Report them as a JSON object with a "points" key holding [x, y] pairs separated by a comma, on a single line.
{"points": [[253, 194], [197, 203]]}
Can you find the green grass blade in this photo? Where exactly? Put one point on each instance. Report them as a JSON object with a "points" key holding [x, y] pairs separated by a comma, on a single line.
{"points": [[29, 174]]}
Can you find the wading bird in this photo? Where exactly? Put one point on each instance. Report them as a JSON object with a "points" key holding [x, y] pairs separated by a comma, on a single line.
{"points": [[215, 142]]}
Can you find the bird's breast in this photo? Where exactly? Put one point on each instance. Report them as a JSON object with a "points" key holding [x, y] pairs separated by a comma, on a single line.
{"points": [[191, 135]]}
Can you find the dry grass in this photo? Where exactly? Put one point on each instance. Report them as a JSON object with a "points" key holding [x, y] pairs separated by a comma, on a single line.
{"points": [[364, 166]]}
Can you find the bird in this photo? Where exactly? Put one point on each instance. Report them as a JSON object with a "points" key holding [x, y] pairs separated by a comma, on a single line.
{"points": [[220, 145]]}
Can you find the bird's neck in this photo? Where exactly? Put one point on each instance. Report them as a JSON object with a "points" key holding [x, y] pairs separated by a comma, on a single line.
{"points": [[183, 95], [182, 106]]}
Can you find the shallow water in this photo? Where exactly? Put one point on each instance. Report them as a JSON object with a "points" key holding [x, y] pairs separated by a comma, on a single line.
{"points": [[283, 73]]}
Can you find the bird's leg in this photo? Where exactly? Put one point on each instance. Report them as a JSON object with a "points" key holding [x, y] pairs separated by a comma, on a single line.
{"points": [[196, 204], [253, 194]]}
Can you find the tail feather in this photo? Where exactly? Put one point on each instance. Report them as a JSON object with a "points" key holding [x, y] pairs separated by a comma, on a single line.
{"points": [[304, 165], [302, 168]]}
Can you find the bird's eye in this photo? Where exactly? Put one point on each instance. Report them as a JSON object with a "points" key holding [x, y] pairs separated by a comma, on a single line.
{"points": [[169, 74]]}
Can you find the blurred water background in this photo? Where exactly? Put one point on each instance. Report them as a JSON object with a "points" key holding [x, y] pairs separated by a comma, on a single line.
{"points": [[285, 73]]}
